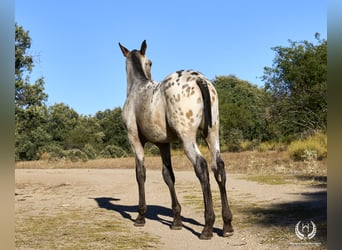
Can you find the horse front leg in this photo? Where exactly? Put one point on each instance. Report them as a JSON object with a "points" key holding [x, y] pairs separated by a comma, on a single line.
{"points": [[141, 178], [140, 172]]}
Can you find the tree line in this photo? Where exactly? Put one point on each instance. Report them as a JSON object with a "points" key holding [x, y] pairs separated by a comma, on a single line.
{"points": [[292, 104]]}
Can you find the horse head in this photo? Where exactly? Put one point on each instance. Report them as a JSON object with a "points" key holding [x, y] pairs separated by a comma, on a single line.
{"points": [[137, 64]]}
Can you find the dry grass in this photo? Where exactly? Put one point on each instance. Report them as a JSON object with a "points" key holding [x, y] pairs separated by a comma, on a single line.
{"points": [[78, 229], [313, 147], [251, 162]]}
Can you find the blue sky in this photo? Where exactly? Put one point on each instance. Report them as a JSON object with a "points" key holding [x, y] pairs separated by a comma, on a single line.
{"points": [[75, 43]]}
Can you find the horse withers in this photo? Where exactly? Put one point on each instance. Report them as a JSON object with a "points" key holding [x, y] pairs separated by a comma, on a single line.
{"points": [[183, 103]]}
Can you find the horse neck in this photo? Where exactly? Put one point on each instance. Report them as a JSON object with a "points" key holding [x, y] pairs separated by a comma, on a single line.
{"points": [[134, 80], [135, 73]]}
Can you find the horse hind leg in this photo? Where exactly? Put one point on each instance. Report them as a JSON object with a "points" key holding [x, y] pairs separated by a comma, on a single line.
{"points": [[218, 168], [201, 170], [220, 176], [169, 179]]}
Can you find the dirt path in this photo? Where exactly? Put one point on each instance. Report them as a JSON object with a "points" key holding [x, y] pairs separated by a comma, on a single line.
{"points": [[95, 209]]}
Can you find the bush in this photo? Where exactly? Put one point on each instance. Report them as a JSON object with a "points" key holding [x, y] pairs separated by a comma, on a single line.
{"points": [[235, 138], [151, 149], [76, 155], [89, 151], [113, 151], [315, 145], [52, 152]]}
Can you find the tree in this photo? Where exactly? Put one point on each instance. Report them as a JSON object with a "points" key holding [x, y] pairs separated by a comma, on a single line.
{"points": [[242, 110], [86, 131], [26, 94], [297, 83], [30, 109], [113, 128], [62, 120]]}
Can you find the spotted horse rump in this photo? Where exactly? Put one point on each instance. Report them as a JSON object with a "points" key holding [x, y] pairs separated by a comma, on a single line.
{"points": [[183, 103]]}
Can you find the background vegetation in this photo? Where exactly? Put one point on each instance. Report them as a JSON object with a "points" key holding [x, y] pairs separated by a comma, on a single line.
{"points": [[289, 112]]}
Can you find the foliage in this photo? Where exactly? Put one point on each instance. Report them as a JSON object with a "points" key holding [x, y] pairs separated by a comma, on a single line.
{"points": [[76, 155], [242, 111], [151, 149], [90, 152], [297, 83], [52, 152], [113, 151], [113, 128], [31, 133], [30, 109], [62, 120], [291, 105]]}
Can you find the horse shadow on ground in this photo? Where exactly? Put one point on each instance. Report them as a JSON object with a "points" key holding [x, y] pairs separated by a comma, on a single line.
{"points": [[154, 212], [312, 207]]}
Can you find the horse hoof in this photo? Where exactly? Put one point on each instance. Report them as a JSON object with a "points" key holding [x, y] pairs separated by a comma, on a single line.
{"points": [[139, 222], [206, 236], [228, 234], [227, 230], [176, 227]]}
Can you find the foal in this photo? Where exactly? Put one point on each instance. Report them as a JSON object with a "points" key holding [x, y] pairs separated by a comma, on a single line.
{"points": [[182, 103]]}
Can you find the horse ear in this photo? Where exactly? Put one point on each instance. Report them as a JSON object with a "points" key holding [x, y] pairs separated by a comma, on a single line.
{"points": [[143, 47], [125, 51]]}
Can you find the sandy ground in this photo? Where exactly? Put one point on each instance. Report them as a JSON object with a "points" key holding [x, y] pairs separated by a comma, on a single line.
{"points": [[113, 193]]}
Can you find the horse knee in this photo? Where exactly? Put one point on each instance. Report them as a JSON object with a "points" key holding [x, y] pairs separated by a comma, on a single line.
{"points": [[219, 171]]}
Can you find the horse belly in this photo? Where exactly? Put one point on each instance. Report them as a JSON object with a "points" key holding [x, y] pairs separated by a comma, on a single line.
{"points": [[153, 125]]}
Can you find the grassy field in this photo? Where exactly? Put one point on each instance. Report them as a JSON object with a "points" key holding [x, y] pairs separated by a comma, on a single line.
{"points": [[90, 227]]}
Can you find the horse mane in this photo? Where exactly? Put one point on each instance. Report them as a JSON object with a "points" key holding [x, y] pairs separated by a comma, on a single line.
{"points": [[137, 65]]}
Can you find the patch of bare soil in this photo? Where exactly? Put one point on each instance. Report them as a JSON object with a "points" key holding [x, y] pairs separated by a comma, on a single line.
{"points": [[95, 209]]}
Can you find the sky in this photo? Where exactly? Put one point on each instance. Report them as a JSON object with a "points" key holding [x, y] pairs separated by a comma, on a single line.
{"points": [[75, 42]]}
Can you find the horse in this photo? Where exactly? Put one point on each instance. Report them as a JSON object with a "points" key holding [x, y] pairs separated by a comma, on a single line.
{"points": [[160, 113]]}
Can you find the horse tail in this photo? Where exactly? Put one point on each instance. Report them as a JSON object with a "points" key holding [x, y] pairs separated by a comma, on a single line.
{"points": [[202, 84]]}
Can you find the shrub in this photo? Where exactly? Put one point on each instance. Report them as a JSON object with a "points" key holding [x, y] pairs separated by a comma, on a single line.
{"points": [[235, 138], [313, 146], [113, 151], [76, 155], [151, 149], [52, 152], [89, 151]]}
